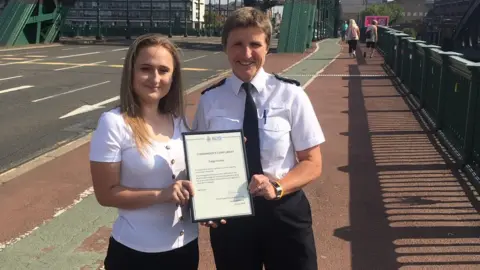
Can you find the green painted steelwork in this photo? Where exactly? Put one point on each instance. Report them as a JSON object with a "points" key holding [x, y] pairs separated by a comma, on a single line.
{"points": [[304, 21], [33, 22], [40, 21]]}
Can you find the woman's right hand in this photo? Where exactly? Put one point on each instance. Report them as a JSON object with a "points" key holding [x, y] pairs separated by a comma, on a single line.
{"points": [[180, 192]]}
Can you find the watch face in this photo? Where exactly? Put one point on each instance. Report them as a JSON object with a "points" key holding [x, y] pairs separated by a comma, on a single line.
{"points": [[278, 190]]}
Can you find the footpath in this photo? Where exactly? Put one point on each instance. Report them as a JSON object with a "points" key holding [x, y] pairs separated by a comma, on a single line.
{"points": [[387, 198]]}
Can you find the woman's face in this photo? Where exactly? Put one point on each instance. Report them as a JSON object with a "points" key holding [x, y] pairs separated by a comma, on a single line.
{"points": [[246, 50], [153, 72]]}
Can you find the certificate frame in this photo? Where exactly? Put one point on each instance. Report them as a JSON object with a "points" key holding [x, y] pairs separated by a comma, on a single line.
{"points": [[244, 168]]}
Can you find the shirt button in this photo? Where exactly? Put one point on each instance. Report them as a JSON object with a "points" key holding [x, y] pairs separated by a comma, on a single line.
{"points": [[173, 161], [168, 147], [173, 176], [182, 233], [181, 218]]}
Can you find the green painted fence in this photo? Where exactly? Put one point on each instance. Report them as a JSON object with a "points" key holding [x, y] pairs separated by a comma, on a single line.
{"points": [[446, 89]]}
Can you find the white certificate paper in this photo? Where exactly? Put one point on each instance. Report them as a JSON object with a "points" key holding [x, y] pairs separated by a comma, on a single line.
{"points": [[217, 167]]}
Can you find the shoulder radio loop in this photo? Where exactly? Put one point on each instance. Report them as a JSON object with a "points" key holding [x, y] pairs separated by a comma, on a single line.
{"points": [[291, 81], [221, 82]]}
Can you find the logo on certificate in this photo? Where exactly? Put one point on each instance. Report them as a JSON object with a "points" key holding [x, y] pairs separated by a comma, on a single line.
{"points": [[214, 138]]}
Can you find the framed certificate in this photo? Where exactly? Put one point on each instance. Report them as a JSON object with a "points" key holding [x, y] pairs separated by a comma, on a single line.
{"points": [[217, 166]]}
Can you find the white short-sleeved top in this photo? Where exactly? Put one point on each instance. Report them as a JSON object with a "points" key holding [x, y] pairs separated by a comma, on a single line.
{"points": [[160, 227], [286, 119]]}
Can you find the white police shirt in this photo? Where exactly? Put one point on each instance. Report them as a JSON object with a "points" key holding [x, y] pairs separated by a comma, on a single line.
{"points": [[286, 119]]}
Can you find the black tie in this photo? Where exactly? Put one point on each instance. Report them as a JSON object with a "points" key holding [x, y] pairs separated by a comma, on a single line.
{"points": [[250, 130]]}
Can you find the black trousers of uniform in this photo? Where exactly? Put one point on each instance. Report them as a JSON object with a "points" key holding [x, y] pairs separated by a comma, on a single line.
{"points": [[121, 257], [279, 236]]}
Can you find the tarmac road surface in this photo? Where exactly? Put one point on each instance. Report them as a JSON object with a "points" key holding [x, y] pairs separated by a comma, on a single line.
{"points": [[52, 95]]}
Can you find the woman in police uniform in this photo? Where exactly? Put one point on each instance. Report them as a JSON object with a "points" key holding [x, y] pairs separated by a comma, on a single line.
{"points": [[282, 144]]}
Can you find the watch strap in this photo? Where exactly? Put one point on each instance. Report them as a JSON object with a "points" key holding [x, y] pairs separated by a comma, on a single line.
{"points": [[278, 189]]}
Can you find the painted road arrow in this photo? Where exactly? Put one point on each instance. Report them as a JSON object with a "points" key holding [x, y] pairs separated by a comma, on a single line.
{"points": [[89, 108]]}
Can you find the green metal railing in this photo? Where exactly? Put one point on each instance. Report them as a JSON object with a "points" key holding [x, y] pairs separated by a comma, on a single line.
{"points": [[446, 89]]}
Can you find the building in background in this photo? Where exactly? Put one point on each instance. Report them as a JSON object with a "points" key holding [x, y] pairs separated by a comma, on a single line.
{"points": [[351, 9], [140, 12], [3, 3], [415, 10]]}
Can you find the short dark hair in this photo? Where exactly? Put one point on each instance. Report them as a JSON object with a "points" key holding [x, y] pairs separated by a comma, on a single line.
{"points": [[247, 17]]}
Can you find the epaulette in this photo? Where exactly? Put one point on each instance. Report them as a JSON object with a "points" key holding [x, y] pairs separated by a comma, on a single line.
{"points": [[214, 86], [292, 81]]}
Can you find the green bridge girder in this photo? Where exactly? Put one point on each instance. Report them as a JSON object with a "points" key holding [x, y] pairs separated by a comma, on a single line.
{"points": [[304, 21], [41, 21], [32, 22]]}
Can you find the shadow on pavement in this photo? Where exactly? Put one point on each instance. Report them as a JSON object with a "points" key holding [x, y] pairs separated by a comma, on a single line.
{"points": [[409, 207]]}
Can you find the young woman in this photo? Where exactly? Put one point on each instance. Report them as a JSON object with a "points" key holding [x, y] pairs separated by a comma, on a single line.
{"points": [[353, 34], [137, 163]]}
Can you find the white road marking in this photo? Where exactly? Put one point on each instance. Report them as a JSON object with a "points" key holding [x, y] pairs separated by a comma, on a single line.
{"points": [[89, 191], [36, 56], [195, 58], [88, 108], [216, 52], [121, 49], [30, 48], [83, 195], [319, 72], [81, 65], [13, 58], [69, 92], [75, 55], [21, 62], [67, 49], [9, 78], [15, 89]]}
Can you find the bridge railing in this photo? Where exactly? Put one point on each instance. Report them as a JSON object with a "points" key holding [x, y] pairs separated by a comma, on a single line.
{"points": [[445, 88]]}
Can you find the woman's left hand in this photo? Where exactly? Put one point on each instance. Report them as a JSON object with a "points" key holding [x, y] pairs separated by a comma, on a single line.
{"points": [[260, 186]]}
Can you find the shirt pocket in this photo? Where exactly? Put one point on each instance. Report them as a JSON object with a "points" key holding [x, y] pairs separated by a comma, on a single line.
{"points": [[220, 120], [274, 133]]}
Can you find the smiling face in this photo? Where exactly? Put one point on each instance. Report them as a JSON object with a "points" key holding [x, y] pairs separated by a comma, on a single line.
{"points": [[246, 48], [152, 74]]}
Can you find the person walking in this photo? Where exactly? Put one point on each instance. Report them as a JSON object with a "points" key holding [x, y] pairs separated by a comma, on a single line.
{"points": [[353, 35], [371, 34]]}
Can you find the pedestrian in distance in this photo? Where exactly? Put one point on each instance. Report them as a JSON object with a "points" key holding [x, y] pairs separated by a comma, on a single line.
{"points": [[344, 28], [371, 34], [353, 35], [283, 138], [138, 165]]}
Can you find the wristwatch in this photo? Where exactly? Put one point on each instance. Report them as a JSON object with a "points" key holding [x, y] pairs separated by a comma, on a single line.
{"points": [[278, 190]]}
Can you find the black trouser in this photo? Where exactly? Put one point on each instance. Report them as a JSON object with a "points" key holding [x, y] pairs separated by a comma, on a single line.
{"points": [[352, 46], [279, 236], [122, 257]]}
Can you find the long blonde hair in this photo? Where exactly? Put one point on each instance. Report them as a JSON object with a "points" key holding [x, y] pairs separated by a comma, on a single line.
{"points": [[353, 24], [172, 103]]}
